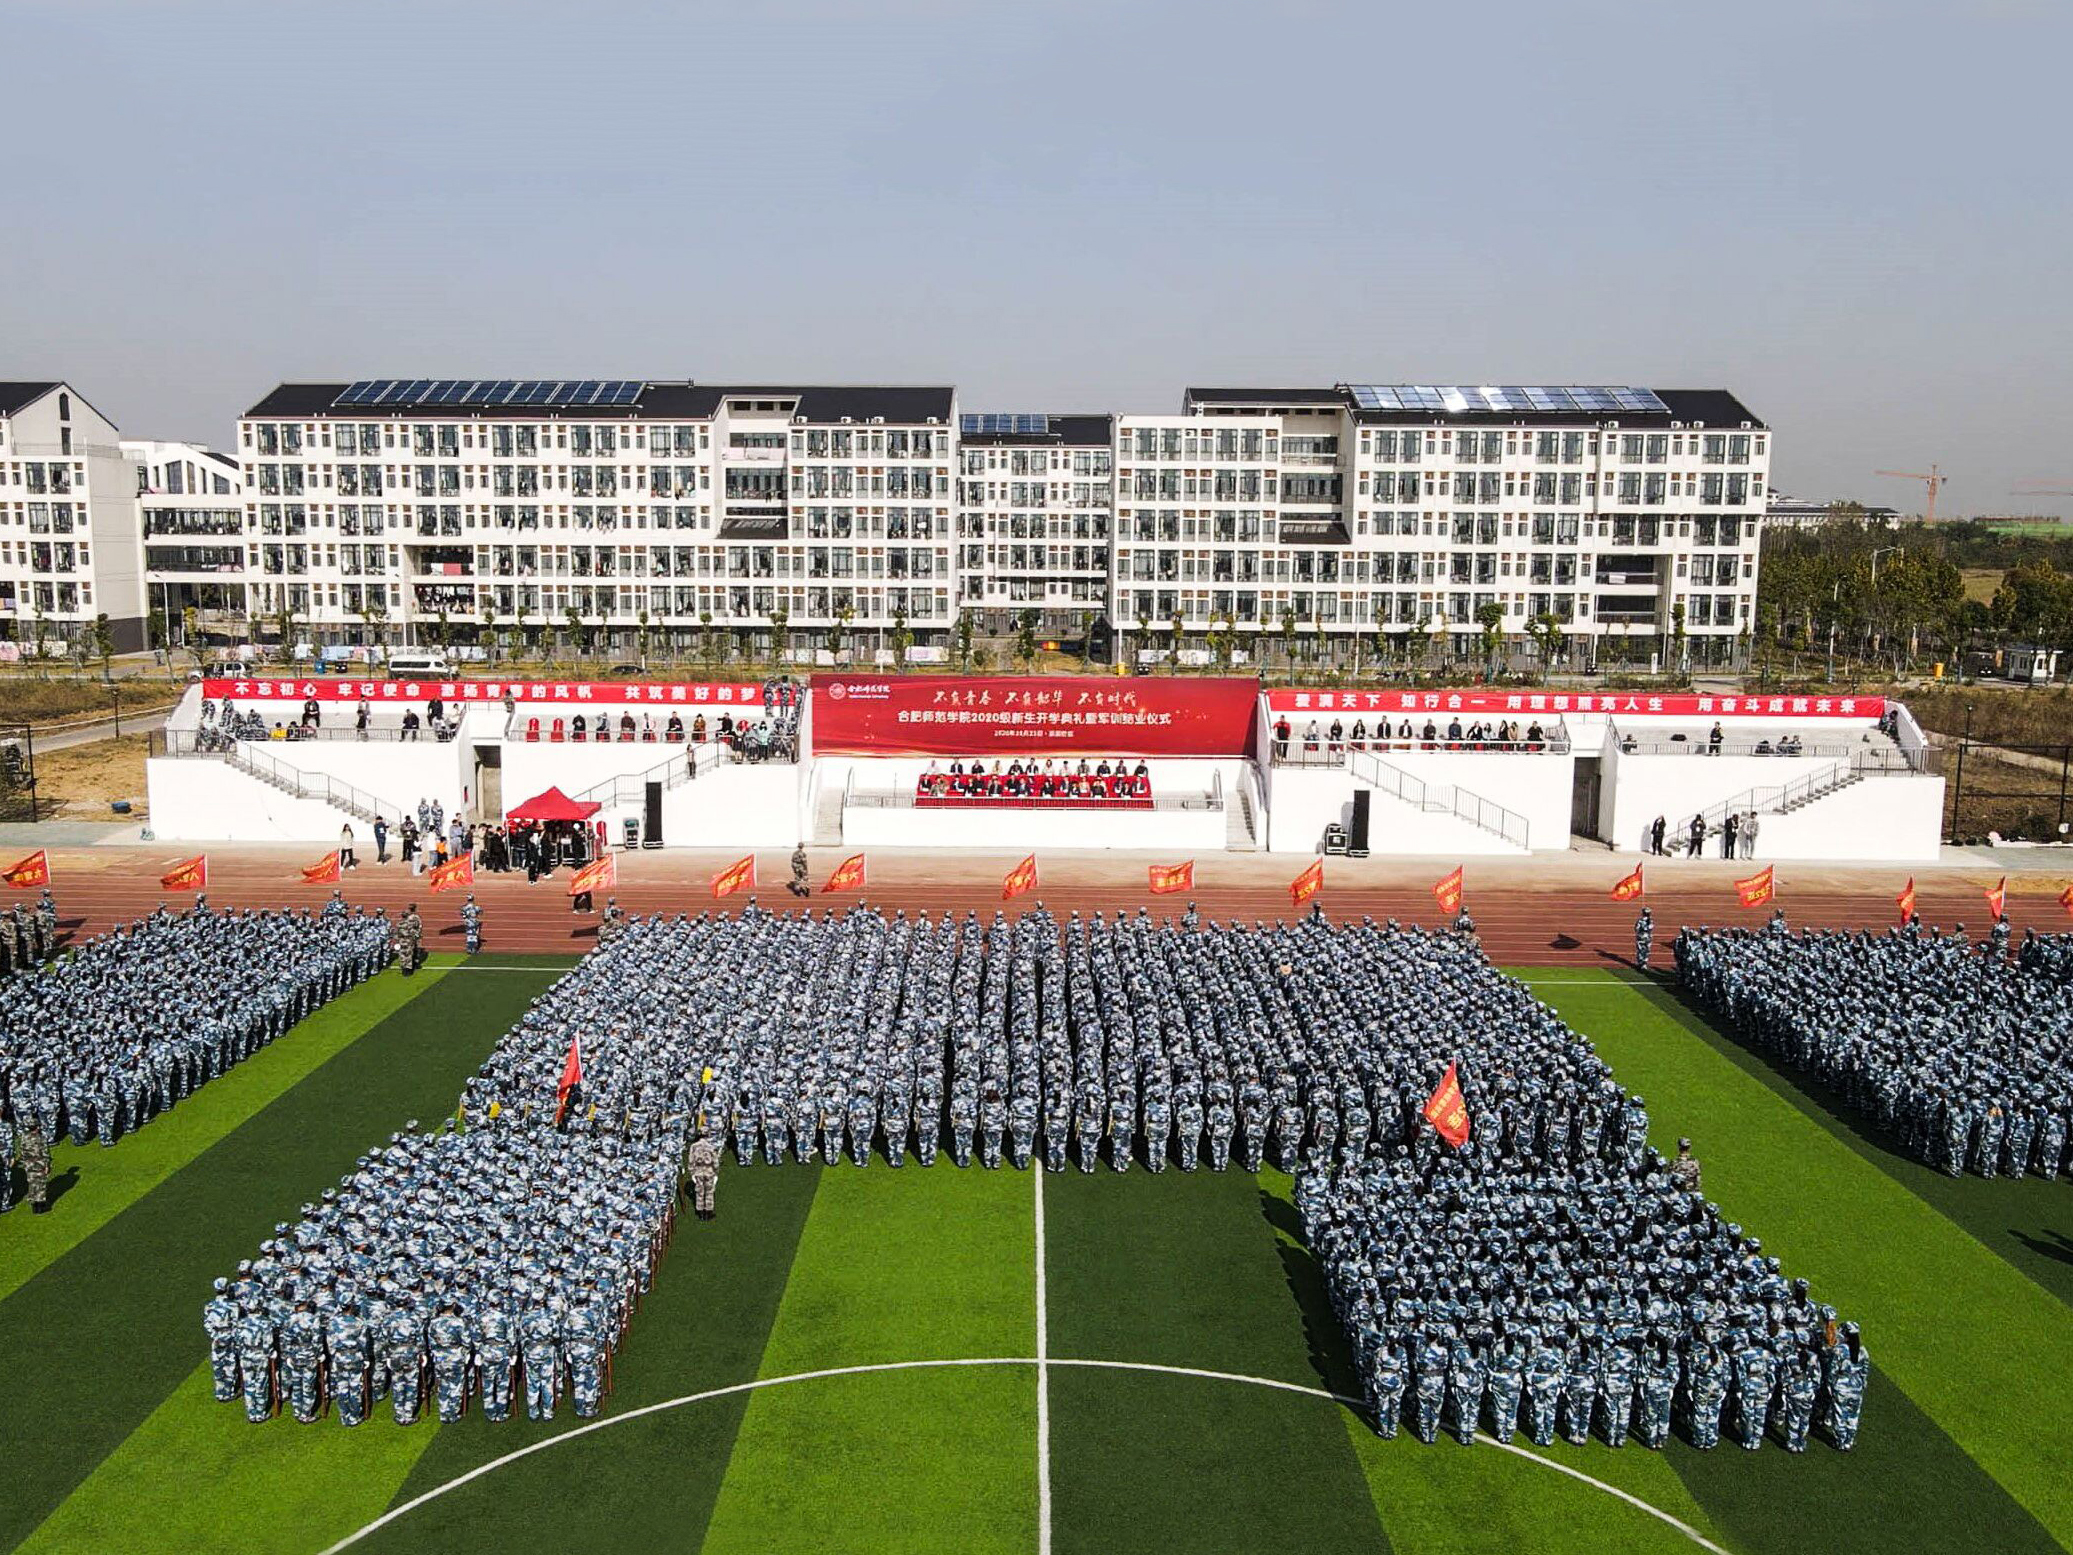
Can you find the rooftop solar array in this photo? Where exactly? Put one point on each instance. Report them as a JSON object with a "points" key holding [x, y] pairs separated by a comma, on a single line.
{"points": [[1016, 423], [543, 393], [1456, 398]]}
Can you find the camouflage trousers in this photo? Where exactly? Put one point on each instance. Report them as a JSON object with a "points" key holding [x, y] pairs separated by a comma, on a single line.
{"points": [[406, 1387], [1425, 1408], [1504, 1408], [223, 1369], [256, 1372], [349, 1393], [450, 1383], [493, 1377], [299, 1382], [1540, 1415], [587, 1378], [702, 1186], [541, 1368], [1706, 1407]]}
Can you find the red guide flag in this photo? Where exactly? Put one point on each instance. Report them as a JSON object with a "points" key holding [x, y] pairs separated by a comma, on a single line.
{"points": [[1629, 887], [2066, 898], [453, 874], [1023, 877], [190, 875], [1906, 901], [30, 873], [1447, 892], [571, 1077], [846, 876], [1758, 888], [323, 872], [1998, 898], [598, 875], [1166, 879], [738, 876], [1307, 884], [1446, 1110]]}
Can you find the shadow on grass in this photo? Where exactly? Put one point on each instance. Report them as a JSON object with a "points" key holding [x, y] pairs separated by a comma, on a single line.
{"points": [[1331, 1354]]}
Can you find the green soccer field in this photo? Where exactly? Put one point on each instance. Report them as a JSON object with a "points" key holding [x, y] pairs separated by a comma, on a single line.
{"points": [[878, 1360]]}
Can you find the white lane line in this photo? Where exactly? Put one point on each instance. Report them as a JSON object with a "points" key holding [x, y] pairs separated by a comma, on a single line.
{"points": [[1043, 1375], [1039, 1362]]}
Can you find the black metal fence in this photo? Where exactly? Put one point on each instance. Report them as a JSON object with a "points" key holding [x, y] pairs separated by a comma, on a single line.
{"points": [[2018, 791], [18, 801]]}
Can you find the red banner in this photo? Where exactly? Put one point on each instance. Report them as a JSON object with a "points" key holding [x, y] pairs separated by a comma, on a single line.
{"points": [[1998, 898], [716, 694], [1629, 887], [1166, 879], [453, 874], [1307, 884], [191, 875], [1447, 1111], [30, 872], [738, 876], [601, 875], [1020, 879], [847, 876], [1526, 703], [1009, 715], [1447, 891], [1906, 901], [323, 872], [1758, 888]]}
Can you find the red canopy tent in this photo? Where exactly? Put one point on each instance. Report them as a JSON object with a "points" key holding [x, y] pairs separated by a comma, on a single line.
{"points": [[554, 805]]}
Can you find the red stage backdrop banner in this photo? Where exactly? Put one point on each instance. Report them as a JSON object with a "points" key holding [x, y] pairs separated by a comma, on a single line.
{"points": [[1526, 703], [1019, 715], [720, 694]]}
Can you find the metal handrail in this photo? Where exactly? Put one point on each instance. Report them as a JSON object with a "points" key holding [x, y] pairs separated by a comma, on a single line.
{"points": [[1334, 754], [670, 772], [303, 785], [1452, 799]]}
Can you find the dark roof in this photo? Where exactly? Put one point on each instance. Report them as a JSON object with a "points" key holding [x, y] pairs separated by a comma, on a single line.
{"points": [[1068, 431], [220, 457], [659, 401], [1715, 407], [1266, 397], [15, 395]]}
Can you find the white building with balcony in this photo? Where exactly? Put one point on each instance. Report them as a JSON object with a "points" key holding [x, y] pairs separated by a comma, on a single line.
{"points": [[1035, 502], [607, 511], [191, 508], [69, 545]]}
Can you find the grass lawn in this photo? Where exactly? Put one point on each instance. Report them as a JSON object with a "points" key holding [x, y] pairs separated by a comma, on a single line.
{"points": [[114, 1443]]}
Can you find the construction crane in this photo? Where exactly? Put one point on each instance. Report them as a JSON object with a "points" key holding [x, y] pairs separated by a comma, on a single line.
{"points": [[1933, 480]]}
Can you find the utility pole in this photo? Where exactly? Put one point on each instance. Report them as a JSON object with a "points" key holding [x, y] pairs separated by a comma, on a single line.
{"points": [[1958, 786]]}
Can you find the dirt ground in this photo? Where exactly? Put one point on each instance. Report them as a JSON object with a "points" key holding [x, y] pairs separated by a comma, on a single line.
{"points": [[77, 784], [28, 698]]}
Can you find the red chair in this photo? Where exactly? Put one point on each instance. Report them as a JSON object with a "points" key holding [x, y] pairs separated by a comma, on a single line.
{"points": [[556, 732], [532, 730]]}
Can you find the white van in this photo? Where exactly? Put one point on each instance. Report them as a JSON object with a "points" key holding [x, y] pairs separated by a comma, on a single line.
{"points": [[418, 664]]}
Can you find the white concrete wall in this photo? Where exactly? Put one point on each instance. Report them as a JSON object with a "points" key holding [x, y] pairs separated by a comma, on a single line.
{"points": [[1640, 788], [397, 772], [746, 806], [1891, 819], [1537, 786], [1307, 799], [1183, 832], [211, 801]]}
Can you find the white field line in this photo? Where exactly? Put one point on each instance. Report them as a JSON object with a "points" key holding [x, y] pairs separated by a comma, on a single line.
{"points": [[1043, 1375], [1041, 1363]]}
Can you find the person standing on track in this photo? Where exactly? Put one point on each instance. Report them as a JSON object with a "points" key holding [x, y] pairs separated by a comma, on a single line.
{"points": [[1644, 938], [703, 1162]]}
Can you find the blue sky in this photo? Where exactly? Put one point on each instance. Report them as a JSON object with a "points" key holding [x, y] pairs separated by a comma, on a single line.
{"points": [[1856, 215]]}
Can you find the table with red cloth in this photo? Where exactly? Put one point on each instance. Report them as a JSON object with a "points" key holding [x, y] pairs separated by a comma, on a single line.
{"points": [[1055, 791]]}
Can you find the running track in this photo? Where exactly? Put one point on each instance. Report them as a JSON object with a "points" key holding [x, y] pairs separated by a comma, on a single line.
{"points": [[1553, 912]]}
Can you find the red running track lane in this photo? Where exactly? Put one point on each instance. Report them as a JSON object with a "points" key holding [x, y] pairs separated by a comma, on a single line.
{"points": [[1551, 912]]}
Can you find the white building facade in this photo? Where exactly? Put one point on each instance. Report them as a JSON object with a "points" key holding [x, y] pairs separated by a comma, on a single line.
{"points": [[1035, 502], [70, 551], [191, 510]]}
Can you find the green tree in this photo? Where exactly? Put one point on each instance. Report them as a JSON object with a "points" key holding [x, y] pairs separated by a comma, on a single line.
{"points": [[572, 629], [191, 634], [489, 628], [902, 638], [1490, 617], [838, 634], [102, 636], [964, 639], [155, 626], [1144, 635], [1026, 639], [1546, 631], [780, 632], [442, 628], [1288, 637], [1680, 640], [705, 639], [1219, 642], [641, 632], [1176, 626], [284, 626]]}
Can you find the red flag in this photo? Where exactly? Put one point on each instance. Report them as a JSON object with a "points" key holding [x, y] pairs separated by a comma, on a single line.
{"points": [[30, 873], [323, 872], [738, 876], [192, 875], [1629, 887], [1906, 901], [1022, 878], [846, 876], [453, 874], [1758, 888], [2066, 898], [1998, 898], [1447, 892], [598, 875], [1307, 884], [1447, 1111], [571, 1077], [1169, 878]]}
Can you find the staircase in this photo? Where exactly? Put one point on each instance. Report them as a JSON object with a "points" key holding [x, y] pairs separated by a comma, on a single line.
{"points": [[1784, 798], [1484, 814], [247, 758], [673, 771], [1240, 828]]}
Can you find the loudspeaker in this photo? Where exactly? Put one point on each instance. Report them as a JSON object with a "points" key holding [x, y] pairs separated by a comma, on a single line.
{"points": [[651, 821], [1357, 834]]}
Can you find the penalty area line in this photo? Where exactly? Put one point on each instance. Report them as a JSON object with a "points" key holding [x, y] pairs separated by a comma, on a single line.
{"points": [[1041, 1363]]}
